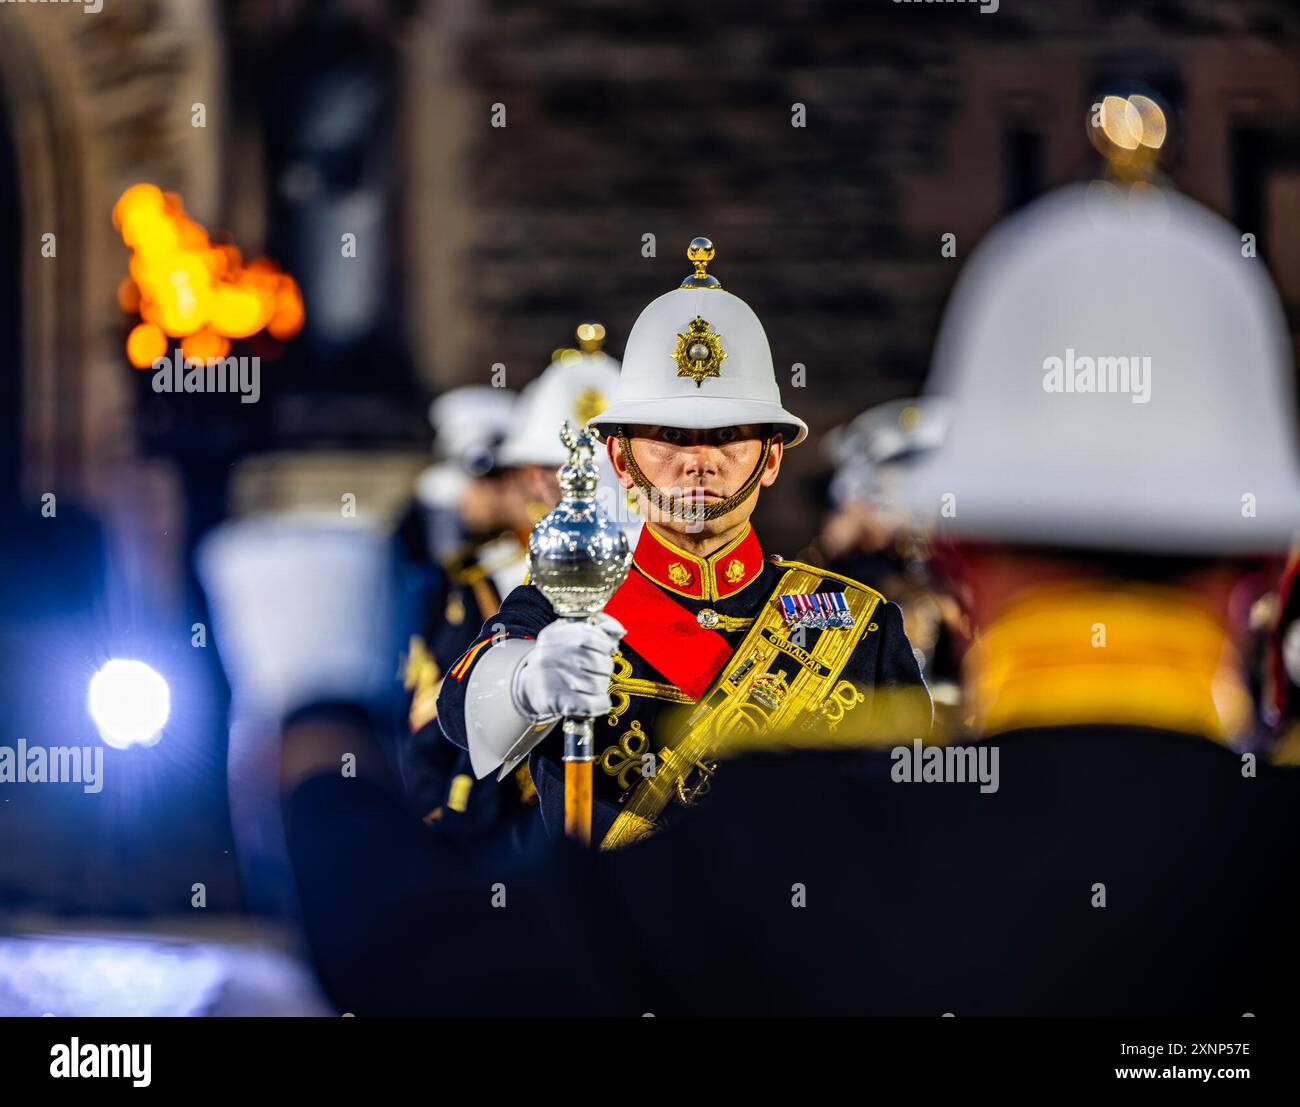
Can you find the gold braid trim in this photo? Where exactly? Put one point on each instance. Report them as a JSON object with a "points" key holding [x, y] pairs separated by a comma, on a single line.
{"points": [[673, 505], [729, 714]]}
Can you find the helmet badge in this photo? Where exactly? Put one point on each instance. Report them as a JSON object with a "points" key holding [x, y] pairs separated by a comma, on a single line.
{"points": [[589, 403], [699, 353]]}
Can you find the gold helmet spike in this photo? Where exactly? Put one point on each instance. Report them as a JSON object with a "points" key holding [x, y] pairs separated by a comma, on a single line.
{"points": [[1129, 132], [591, 337], [700, 253]]}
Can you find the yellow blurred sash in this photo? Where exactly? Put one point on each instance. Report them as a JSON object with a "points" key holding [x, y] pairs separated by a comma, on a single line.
{"points": [[1139, 655]]}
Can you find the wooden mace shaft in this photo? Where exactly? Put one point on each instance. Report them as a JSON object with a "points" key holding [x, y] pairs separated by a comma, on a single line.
{"points": [[577, 801], [579, 752]]}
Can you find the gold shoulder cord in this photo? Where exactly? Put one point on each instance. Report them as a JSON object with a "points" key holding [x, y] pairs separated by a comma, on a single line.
{"points": [[747, 698], [484, 593]]}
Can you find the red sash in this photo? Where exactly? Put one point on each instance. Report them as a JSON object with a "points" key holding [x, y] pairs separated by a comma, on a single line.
{"points": [[667, 635]]}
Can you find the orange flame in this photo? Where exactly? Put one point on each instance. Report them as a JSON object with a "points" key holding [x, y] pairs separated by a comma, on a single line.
{"points": [[145, 343], [185, 286]]}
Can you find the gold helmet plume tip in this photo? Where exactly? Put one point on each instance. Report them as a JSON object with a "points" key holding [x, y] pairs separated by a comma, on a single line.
{"points": [[591, 337], [700, 253]]}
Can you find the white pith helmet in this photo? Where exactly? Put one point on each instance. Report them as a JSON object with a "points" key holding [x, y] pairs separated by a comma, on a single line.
{"points": [[1056, 440], [441, 485], [698, 358], [470, 424], [892, 434], [574, 387]]}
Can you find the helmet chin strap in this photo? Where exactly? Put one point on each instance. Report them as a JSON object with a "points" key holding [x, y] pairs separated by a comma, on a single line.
{"points": [[678, 508]]}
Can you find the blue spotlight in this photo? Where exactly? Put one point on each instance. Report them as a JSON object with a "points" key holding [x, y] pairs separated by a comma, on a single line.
{"points": [[130, 704]]}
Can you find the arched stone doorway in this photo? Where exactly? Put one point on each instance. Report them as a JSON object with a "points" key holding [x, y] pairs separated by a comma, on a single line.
{"points": [[94, 103]]}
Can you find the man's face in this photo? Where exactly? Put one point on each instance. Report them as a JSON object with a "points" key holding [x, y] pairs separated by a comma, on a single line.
{"points": [[482, 505], [702, 467]]}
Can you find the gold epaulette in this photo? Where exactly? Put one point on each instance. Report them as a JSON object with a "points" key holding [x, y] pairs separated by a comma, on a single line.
{"points": [[466, 569], [421, 677], [463, 567], [467, 563]]}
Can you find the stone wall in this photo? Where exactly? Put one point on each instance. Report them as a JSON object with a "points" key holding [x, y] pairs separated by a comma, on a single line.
{"points": [[674, 119]]}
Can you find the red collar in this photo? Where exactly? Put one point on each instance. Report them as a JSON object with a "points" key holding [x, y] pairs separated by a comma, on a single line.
{"points": [[723, 573]]}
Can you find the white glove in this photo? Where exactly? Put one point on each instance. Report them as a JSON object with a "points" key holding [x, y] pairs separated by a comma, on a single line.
{"points": [[567, 671]]}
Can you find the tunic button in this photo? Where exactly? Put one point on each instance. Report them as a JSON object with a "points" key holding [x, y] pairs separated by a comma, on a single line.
{"points": [[708, 618]]}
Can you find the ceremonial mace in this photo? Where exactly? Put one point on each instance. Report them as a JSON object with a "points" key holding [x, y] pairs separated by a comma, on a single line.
{"points": [[577, 558]]}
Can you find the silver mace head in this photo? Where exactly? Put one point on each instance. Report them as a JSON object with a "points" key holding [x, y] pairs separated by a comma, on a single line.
{"points": [[577, 556]]}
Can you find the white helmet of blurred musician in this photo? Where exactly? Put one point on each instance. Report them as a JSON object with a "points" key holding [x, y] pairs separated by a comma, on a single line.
{"points": [[698, 358], [469, 426], [1120, 379], [866, 450], [471, 423], [573, 388]]}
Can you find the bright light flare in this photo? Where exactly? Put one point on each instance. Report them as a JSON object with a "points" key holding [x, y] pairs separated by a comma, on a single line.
{"points": [[1129, 132], [130, 703], [1154, 128], [1121, 122]]}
